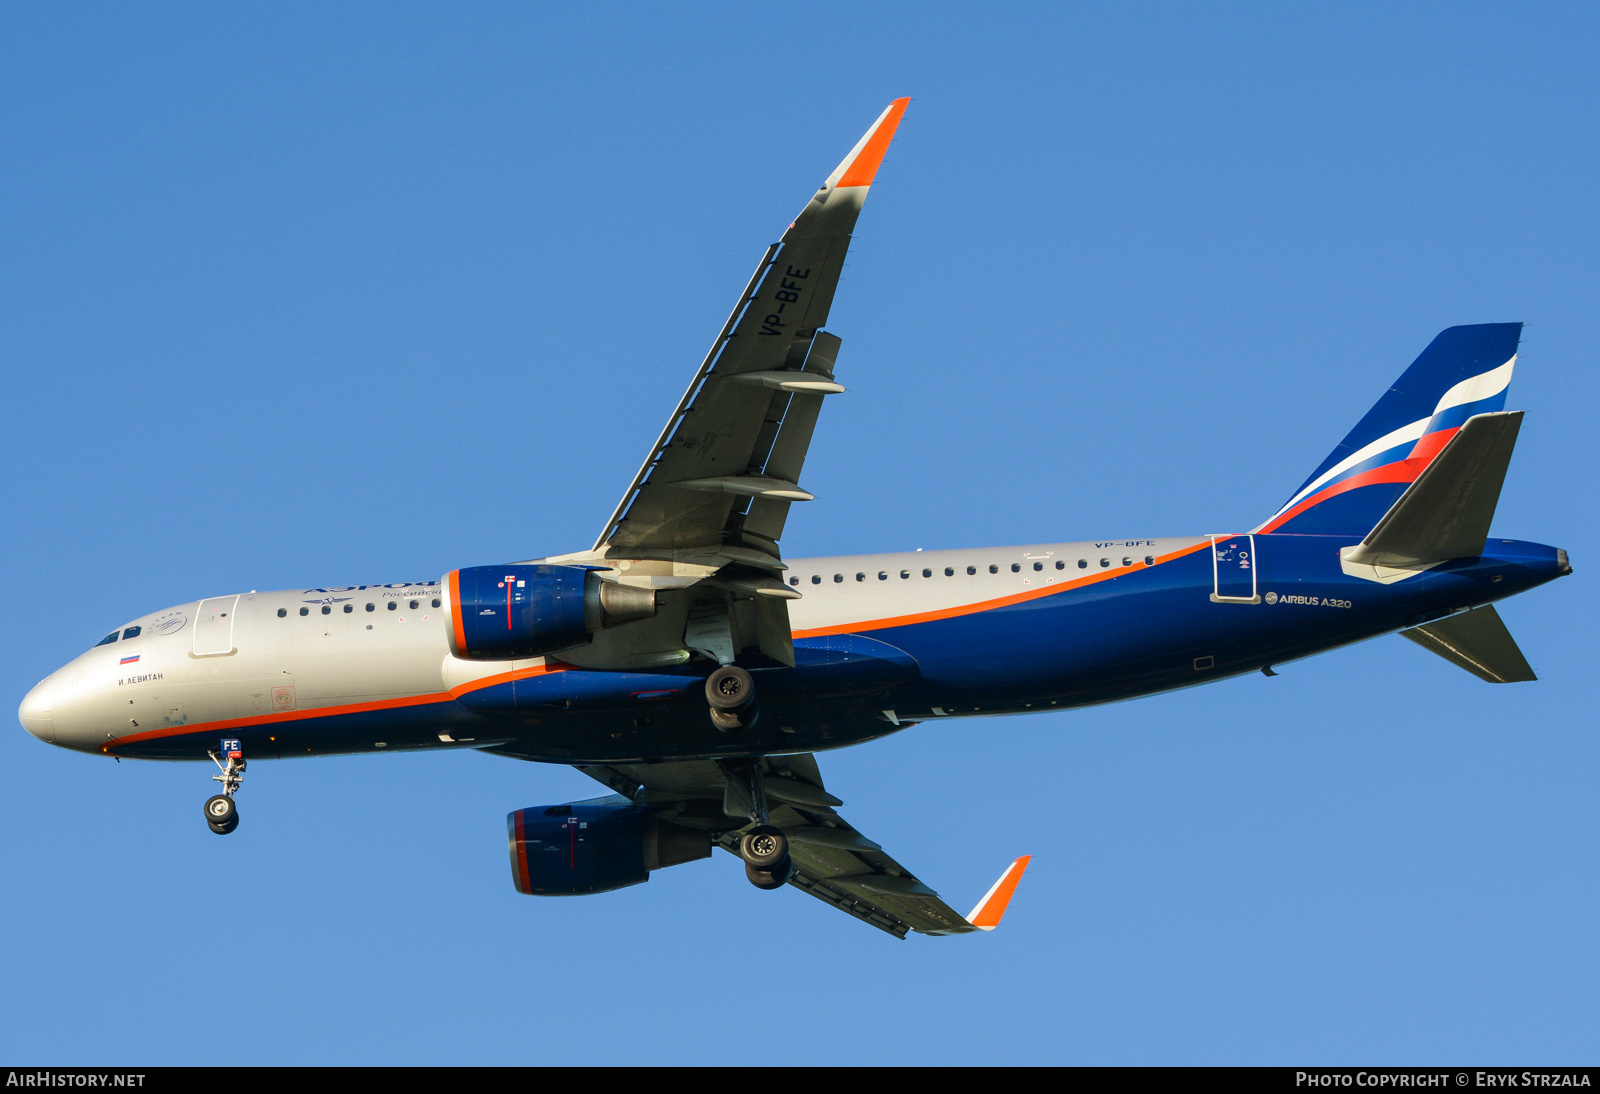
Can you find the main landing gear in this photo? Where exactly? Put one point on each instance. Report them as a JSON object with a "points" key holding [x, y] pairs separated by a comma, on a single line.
{"points": [[732, 695], [222, 815], [765, 851], [764, 848]]}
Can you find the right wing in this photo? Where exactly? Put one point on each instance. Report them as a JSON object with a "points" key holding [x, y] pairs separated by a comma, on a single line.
{"points": [[718, 458], [700, 522], [833, 861]]}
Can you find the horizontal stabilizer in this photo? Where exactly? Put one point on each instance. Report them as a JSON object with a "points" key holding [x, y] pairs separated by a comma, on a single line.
{"points": [[1445, 513], [986, 916], [1477, 641]]}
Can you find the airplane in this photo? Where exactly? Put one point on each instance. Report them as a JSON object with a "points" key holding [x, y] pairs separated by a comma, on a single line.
{"points": [[686, 665]]}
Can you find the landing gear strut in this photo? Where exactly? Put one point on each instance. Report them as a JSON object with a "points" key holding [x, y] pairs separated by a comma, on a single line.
{"points": [[222, 815], [764, 848], [732, 695]]}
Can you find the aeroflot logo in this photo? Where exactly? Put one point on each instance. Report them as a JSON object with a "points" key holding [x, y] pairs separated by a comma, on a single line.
{"points": [[362, 588]]}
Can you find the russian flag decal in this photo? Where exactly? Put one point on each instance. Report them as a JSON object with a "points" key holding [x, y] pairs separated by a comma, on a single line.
{"points": [[130, 659]]}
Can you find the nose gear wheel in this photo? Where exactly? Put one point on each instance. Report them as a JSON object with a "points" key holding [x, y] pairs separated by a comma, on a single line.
{"points": [[222, 815]]}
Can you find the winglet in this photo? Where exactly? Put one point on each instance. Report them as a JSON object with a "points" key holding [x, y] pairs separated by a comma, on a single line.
{"points": [[860, 167], [986, 916]]}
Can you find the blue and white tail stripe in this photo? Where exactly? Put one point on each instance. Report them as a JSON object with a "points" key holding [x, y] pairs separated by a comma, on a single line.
{"points": [[1464, 371]]}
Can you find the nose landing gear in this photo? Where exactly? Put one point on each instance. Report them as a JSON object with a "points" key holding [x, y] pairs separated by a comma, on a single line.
{"points": [[222, 815]]}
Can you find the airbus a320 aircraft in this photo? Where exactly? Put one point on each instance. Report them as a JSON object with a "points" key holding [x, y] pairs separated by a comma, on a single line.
{"points": [[686, 665]]}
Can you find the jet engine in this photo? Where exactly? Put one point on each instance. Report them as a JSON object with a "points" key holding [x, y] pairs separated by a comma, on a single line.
{"points": [[498, 613], [594, 846]]}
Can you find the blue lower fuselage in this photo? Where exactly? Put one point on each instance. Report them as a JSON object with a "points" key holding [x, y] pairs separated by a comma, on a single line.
{"points": [[1131, 632]]}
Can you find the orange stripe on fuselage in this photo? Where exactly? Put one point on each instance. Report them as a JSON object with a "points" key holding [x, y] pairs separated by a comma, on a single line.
{"points": [[541, 670], [328, 712], [864, 168], [988, 605]]}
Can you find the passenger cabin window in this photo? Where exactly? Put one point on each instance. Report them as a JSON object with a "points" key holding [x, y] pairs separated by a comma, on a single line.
{"points": [[994, 569], [972, 570], [949, 571], [131, 632], [1016, 568], [282, 612], [392, 605], [1149, 560], [816, 579], [1126, 561], [905, 574], [794, 581], [305, 611], [1083, 564], [883, 575], [369, 605], [326, 609], [348, 608], [435, 602], [1104, 562], [1060, 565], [108, 639], [861, 577], [412, 605], [926, 572], [838, 579], [1038, 565]]}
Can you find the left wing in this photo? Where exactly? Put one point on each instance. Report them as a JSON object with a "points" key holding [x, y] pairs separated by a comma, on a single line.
{"points": [[833, 861]]}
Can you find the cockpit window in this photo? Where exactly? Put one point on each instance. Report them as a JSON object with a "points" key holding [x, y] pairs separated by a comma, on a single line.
{"points": [[108, 639], [131, 632]]}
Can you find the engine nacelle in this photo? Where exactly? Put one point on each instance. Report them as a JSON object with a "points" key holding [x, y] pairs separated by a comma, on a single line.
{"points": [[594, 846], [499, 613]]}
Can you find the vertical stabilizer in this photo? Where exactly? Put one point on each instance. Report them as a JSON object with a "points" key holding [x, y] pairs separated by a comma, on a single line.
{"points": [[1464, 371]]}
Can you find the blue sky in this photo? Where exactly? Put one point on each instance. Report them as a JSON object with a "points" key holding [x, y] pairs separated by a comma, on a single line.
{"points": [[298, 295]]}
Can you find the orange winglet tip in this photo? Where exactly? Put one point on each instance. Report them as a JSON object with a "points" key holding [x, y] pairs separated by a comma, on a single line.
{"points": [[987, 915], [862, 166]]}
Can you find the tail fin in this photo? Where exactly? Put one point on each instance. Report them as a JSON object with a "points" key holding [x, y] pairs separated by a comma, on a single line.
{"points": [[1464, 371]]}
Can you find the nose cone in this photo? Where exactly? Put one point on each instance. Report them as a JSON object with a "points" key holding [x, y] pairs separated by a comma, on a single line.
{"points": [[35, 715]]}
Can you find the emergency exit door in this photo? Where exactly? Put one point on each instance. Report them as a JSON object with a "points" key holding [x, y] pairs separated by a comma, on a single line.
{"points": [[1233, 570]]}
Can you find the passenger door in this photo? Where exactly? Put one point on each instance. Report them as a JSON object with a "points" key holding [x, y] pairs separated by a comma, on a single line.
{"points": [[213, 626]]}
